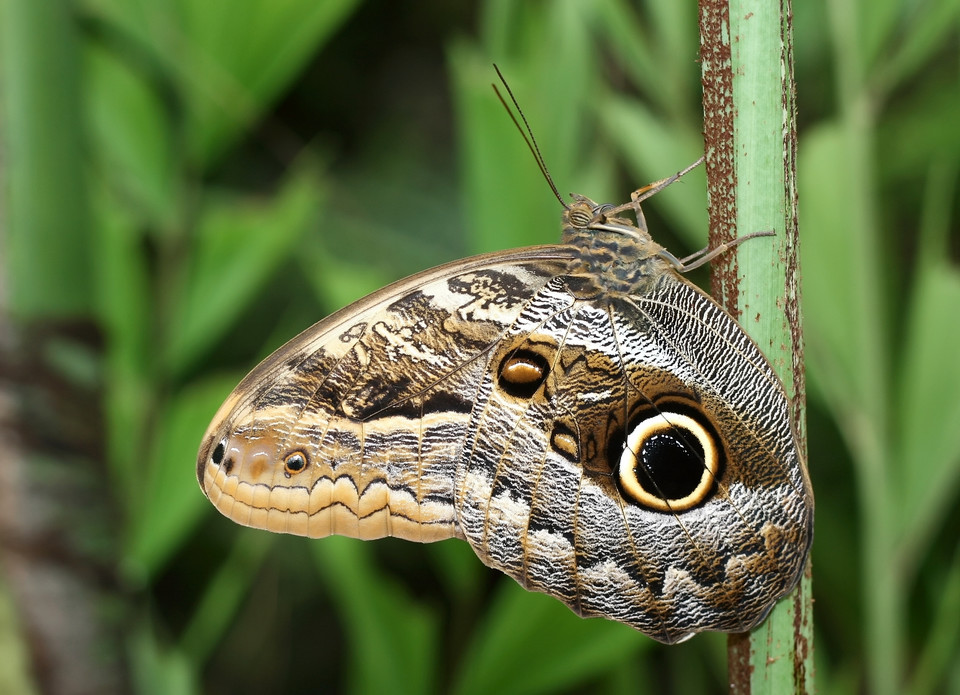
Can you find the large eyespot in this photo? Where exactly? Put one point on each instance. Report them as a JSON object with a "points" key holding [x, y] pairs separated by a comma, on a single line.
{"points": [[670, 462], [522, 372], [294, 462]]}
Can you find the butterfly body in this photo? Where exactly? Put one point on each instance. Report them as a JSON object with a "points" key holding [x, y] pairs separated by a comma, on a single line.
{"points": [[593, 424]]}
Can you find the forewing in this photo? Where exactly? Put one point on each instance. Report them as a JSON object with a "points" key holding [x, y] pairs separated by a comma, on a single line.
{"points": [[355, 426]]}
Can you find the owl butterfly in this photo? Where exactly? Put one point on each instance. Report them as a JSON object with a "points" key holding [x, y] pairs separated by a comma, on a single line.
{"points": [[593, 424]]}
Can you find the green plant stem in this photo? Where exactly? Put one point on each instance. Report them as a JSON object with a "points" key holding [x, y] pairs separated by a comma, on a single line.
{"points": [[47, 245], [750, 134]]}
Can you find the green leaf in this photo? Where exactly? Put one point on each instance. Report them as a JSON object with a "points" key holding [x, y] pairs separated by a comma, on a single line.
{"points": [[224, 594], [841, 303], [156, 668], [633, 41], [124, 308], [47, 251], [337, 282], [240, 243], [393, 639], [877, 22], [131, 133], [170, 503], [231, 59], [938, 655], [459, 569], [234, 58], [930, 381], [498, 172], [655, 46], [531, 643], [922, 33], [551, 74], [920, 130]]}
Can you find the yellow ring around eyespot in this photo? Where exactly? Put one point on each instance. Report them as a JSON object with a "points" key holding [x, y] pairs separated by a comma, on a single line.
{"points": [[288, 469], [647, 428]]}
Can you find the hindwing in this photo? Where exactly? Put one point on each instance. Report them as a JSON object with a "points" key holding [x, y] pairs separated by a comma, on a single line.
{"points": [[540, 495]]}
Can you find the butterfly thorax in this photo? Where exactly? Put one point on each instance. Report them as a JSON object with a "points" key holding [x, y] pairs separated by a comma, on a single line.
{"points": [[615, 255]]}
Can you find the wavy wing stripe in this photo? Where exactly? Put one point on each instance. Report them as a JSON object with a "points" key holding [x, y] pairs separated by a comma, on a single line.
{"points": [[377, 397]]}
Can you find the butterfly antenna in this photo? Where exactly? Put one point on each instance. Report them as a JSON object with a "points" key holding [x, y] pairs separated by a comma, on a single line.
{"points": [[525, 131]]}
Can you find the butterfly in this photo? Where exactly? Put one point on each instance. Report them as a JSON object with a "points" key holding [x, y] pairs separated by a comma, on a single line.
{"points": [[589, 421]]}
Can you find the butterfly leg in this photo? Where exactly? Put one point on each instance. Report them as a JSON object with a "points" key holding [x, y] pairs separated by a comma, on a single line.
{"points": [[641, 194], [695, 260]]}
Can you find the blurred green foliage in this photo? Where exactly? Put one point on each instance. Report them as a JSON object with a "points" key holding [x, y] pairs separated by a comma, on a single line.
{"points": [[252, 165]]}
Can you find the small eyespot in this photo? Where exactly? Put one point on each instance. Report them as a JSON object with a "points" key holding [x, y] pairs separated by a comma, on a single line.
{"points": [[565, 443], [670, 463], [218, 453], [294, 463], [522, 373]]}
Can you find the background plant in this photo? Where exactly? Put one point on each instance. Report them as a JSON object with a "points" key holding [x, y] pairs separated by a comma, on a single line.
{"points": [[246, 167]]}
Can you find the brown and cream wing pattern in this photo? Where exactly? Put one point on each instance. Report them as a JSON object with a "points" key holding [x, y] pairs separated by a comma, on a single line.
{"points": [[542, 494], [355, 426], [593, 424]]}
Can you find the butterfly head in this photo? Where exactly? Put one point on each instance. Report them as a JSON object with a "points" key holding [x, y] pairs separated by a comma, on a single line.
{"points": [[586, 215], [591, 225]]}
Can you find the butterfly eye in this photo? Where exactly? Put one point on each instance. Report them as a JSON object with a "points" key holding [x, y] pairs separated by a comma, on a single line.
{"points": [[669, 463], [522, 372], [580, 218], [294, 463]]}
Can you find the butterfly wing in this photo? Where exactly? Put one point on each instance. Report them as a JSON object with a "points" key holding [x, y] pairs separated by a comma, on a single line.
{"points": [[650, 475], [354, 427], [622, 446]]}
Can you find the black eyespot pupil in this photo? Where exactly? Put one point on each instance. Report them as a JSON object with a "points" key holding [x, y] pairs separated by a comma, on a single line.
{"points": [[522, 373], [295, 463], [670, 465], [218, 453]]}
